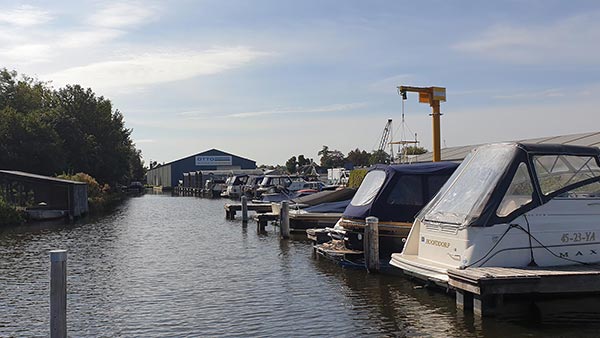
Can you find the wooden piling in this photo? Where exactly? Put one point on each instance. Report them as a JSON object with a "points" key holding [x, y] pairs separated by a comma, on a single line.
{"points": [[285, 219], [244, 209], [371, 244], [58, 293]]}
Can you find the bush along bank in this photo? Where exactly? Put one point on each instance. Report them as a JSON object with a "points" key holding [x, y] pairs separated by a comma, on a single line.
{"points": [[10, 215], [100, 197]]}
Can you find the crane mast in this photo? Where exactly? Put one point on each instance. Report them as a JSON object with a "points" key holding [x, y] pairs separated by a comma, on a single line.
{"points": [[433, 96], [386, 138]]}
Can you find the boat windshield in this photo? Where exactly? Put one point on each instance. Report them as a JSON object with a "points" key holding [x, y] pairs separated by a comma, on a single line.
{"points": [[467, 191], [369, 188]]}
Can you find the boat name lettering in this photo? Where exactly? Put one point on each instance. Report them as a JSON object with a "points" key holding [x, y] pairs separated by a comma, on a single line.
{"points": [[437, 243], [574, 237]]}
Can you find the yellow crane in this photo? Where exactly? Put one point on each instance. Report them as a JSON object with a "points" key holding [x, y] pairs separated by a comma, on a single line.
{"points": [[433, 96]]}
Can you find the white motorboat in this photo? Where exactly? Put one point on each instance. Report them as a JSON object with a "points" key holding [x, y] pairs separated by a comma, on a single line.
{"points": [[509, 205]]}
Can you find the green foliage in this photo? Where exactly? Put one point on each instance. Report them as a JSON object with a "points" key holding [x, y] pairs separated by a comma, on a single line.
{"points": [[290, 165], [302, 161], [359, 158], [379, 157], [9, 215], [331, 158], [100, 196], [356, 177], [414, 150], [47, 131]]}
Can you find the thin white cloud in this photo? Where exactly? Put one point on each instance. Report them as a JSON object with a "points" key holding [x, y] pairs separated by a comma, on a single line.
{"points": [[28, 53], [544, 94], [124, 14], [390, 84], [142, 141], [307, 110], [87, 38], [571, 40], [152, 68], [25, 16]]}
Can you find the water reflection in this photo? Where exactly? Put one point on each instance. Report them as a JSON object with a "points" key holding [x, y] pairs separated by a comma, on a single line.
{"points": [[173, 266]]}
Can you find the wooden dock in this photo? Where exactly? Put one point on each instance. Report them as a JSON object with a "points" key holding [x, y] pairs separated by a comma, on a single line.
{"points": [[483, 289], [232, 208], [300, 222], [303, 221]]}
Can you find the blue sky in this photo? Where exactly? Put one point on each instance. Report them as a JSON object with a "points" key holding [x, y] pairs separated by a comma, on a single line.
{"points": [[268, 80]]}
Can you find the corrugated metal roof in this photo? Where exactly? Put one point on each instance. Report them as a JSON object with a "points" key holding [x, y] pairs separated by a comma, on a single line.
{"points": [[591, 139], [38, 177]]}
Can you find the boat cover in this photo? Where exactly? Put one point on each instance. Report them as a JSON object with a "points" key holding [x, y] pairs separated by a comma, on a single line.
{"points": [[398, 192], [331, 207], [326, 196]]}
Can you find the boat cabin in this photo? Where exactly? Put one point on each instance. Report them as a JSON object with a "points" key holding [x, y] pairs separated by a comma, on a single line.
{"points": [[510, 205]]}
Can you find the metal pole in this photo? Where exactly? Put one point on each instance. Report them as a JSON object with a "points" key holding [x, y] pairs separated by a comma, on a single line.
{"points": [[371, 244], [437, 152], [244, 209], [58, 294], [285, 219]]}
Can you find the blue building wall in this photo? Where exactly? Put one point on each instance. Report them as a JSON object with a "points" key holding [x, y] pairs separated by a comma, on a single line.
{"points": [[188, 164]]}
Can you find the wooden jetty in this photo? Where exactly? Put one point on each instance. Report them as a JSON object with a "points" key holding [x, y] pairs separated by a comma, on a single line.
{"points": [[483, 289], [299, 222], [232, 208]]}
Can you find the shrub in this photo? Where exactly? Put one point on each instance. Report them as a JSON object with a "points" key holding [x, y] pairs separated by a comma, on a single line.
{"points": [[356, 177], [9, 215]]}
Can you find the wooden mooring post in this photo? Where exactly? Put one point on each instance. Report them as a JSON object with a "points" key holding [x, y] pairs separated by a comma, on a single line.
{"points": [[371, 244], [285, 219], [244, 210], [58, 293]]}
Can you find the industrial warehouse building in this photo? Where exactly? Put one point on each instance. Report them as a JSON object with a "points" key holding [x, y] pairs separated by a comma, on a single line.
{"points": [[169, 174]]}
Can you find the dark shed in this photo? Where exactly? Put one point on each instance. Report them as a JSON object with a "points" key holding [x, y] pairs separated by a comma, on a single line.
{"points": [[25, 189]]}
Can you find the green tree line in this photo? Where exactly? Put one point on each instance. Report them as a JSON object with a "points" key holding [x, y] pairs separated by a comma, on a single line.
{"points": [[51, 131], [359, 158]]}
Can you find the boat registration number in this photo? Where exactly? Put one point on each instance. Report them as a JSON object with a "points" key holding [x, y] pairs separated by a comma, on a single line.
{"points": [[588, 236]]}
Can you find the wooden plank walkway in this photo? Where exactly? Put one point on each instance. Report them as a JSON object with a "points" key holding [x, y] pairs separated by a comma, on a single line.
{"points": [[303, 221], [300, 222], [485, 287], [231, 209]]}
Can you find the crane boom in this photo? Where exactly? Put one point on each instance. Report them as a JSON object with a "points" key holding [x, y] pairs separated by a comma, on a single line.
{"points": [[386, 138], [433, 96]]}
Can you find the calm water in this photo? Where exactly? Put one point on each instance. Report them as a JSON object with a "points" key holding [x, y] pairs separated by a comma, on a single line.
{"points": [[173, 266]]}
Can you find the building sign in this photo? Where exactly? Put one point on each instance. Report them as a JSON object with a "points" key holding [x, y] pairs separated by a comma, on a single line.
{"points": [[213, 160]]}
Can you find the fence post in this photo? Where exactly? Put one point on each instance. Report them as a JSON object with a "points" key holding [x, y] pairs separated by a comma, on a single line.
{"points": [[244, 209], [371, 244], [58, 294], [285, 219]]}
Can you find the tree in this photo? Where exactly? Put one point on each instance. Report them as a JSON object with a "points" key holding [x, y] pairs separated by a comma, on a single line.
{"points": [[291, 164], [358, 157], [331, 158], [29, 144], [49, 131], [302, 161], [379, 157], [96, 140], [415, 150]]}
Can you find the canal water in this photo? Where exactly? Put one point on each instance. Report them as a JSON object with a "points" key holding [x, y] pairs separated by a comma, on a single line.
{"points": [[173, 266]]}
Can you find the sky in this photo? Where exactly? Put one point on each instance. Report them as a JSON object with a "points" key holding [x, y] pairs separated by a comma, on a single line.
{"points": [[272, 79]]}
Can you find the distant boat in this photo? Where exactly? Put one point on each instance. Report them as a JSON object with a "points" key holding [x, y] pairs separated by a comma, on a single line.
{"points": [[392, 193], [509, 205]]}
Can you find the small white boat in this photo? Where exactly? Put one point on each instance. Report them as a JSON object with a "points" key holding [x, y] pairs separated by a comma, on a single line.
{"points": [[509, 205]]}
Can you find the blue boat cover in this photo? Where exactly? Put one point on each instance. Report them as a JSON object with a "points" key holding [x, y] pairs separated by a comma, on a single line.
{"points": [[402, 193], [330, 207]]}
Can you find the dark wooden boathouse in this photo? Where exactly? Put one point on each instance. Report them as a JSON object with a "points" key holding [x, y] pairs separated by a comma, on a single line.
{"points": [[43, 192]]}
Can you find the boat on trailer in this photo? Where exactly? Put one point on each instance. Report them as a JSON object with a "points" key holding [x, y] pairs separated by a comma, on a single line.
{"points": [[509, 205]]}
